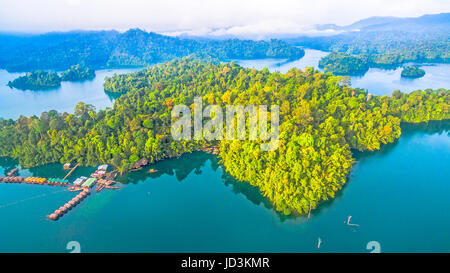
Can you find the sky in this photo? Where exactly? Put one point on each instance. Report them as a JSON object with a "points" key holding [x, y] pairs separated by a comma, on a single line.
{"points": [[199, 17]]}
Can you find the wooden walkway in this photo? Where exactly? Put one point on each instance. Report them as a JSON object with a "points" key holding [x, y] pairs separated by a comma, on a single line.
{"points": [[70, 172]]}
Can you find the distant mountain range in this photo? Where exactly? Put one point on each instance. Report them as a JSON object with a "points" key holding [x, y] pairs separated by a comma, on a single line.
{"points": [[135, 47], [424, 38], [385, 34], [432, 22]]}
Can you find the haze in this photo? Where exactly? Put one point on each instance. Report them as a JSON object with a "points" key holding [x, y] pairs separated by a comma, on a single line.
{"points": [[220, 17]]}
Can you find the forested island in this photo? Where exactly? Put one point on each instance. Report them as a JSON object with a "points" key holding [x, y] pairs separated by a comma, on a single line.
{"points": [[344, 64], [78, 73], [36, 80], [135, 47], [42, 80], [322, 120], [413, 72]]}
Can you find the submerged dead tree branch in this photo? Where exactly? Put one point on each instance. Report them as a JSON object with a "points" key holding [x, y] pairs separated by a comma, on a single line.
{"points": [[348, 222]]}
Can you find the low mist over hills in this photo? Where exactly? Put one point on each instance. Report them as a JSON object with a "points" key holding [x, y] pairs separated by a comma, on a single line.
{"points": [[135, 47], [424, 38], [430, 23]]}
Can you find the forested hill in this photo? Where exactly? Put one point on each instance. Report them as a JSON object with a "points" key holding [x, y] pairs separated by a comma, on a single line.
{"points": [[98, 49], [321, 120]]}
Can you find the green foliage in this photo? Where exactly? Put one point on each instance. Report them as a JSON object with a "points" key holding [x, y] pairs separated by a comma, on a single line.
{"points": [[40, 80], [321, 121], [393, 49], [344, 64], [36, 80], [78, 73], [420, 106], [412, 72]]}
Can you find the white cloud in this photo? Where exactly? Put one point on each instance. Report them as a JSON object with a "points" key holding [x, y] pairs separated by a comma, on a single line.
{"points": [[238, 17], [73, 2]]}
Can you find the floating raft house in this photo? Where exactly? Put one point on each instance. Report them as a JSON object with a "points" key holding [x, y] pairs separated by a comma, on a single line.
{"points": [[13, 179], [80, 180], [35, 180], [89, 183], [103, 167], [57, 181]]}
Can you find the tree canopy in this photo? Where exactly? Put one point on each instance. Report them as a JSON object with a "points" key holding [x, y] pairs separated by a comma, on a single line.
{"points": [[412, 71], [78, 73], [36, 80], [322, 120]]}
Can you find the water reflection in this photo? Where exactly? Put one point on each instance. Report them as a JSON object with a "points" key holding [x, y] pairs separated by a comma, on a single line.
{"points": [[182, 167], [408, 131], [7, 164], [62, 99], [194, 163], [311, 59]]}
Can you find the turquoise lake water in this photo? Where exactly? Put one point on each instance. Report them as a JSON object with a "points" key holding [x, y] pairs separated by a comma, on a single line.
{"points": [[16, 102], [397, 195]]}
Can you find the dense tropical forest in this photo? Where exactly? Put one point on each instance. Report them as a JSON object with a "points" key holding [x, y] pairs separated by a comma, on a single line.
{"points": [[322, 120], [78, 73], [135, 47], [412, 71], [36, 80]]}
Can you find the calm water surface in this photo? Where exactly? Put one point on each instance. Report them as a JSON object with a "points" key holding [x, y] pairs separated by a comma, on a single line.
{"points": [[376, 81], [398, 196], [16, 102], [311, 59]]}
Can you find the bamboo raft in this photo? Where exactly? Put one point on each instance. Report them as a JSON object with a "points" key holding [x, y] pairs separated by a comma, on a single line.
{"points": [[12, 172], [105, 184], [69, 205]]}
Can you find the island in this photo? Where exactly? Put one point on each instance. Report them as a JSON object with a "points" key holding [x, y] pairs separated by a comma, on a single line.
{"points": [[344, 64], [42, 80], [78, 73], [322, 122], [341, 63], [36, 80], [412, 72]]}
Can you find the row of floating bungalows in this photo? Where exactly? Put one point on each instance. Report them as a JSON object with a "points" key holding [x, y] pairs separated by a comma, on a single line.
{"points": [[100, 172], [34, 180], [84, 182], [11, 179]]}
